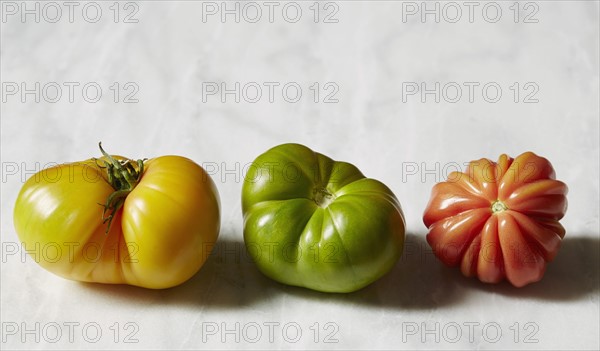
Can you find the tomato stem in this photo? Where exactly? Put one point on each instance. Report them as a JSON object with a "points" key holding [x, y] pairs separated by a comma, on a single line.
{"points": [[123, 176], [498, 206], [323, 197]]}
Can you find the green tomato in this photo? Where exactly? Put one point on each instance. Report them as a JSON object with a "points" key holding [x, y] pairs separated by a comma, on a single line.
{"points": [[313, 222]]}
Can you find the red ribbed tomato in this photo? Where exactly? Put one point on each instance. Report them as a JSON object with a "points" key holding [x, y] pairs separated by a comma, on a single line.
{"points": [[498, 220]]}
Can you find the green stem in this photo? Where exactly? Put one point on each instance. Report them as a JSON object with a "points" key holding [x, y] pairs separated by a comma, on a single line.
{"points": [[322, 197], [498, 206], [123, 176]]}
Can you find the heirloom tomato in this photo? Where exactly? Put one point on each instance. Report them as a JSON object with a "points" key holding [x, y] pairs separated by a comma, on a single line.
{"points": [[498, 220], [313, 222], [149, 223]]}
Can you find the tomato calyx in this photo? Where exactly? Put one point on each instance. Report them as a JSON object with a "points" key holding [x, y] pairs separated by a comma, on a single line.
{"points": [[323, 197], [123, 176], [498, 206]]}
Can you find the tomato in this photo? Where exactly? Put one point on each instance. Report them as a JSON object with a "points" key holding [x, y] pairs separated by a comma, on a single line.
{"points": [[498, 220], [113, 220], [313, 222]]}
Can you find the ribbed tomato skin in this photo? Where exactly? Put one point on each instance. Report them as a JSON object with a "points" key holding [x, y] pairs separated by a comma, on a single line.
{"points": [[498, 220], [159, 238]]}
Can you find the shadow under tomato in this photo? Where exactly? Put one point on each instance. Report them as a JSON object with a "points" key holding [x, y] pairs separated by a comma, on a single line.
{"points": [[574, 274], [417, 281], [228, 279]]}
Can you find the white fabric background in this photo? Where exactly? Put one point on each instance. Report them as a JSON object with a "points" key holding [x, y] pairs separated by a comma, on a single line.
{"points": [[171, 51]]}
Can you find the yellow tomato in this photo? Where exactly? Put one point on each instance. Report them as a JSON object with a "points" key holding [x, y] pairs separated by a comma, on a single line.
{"points": [[113, 220]]}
